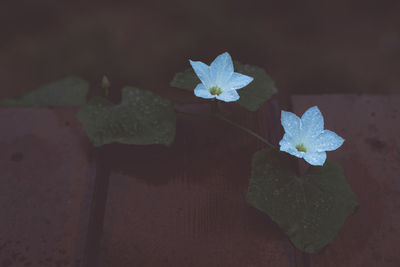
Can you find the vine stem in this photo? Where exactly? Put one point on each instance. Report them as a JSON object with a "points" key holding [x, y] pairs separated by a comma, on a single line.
{"points": [[215, 112], [219, 116], [190, 113]]}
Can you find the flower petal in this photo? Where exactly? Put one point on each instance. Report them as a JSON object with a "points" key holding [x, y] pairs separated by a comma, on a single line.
{"points": [[228, 96], [315, 158], [287, 145], [238, 81], [312, 123], [202, 91], [203, 72], [327, 141], [222, 69], [291, 123]]}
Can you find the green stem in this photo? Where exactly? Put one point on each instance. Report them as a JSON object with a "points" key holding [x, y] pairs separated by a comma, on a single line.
{"points": [[215, 112], [219, 116], [190, 113], [214, 106]]}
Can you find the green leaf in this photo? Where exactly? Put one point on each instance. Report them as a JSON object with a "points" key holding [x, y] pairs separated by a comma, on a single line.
{"points": [[142, 118], [252, 97], [70, 91], [187, 80], [310, 209]]}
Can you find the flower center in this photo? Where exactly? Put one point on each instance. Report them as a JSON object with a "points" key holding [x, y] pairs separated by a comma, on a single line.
{"points": [[301, 148], [215, 90]]}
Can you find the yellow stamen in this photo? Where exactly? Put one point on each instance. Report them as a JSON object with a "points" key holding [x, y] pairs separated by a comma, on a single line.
{"points": [[301, 148], [215, 90]]}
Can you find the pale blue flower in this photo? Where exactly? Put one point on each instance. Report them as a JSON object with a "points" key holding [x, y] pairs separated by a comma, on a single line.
{"points": [[219, 80], [306, 137]]}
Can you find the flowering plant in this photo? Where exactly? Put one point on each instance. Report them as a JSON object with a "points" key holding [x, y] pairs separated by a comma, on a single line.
{"points": [[309, 208], [219, 80], [306, 137]]}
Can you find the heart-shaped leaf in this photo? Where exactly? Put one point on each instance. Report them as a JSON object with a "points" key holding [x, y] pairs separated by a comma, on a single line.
{"points": [[70, 91], [310, 209], [142, 118], [252, 97], [185, 80]]}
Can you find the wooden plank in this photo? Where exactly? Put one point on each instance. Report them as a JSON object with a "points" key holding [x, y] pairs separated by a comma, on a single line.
{"points": [[94, 222], [45, 187], [185, 205], [370, 157]]}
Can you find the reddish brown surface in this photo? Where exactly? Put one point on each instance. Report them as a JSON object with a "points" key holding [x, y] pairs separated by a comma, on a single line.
{"points": [[185, 205], [370, 158], [43, 163]]}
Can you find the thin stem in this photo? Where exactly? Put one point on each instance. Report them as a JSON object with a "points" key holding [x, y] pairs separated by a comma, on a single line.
{"points": [[190, 113], [219, 116], [214, 106], [215, 112]]}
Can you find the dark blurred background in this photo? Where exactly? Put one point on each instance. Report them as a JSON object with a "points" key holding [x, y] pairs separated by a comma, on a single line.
{"points": [[306, 46]]}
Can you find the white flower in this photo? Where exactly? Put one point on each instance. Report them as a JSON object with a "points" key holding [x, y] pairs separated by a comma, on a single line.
{"points": [[219, 80], [306, 137]]}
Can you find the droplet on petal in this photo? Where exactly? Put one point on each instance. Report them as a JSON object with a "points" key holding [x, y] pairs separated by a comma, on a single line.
{"points": [[308, 130], [219, 78]]}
